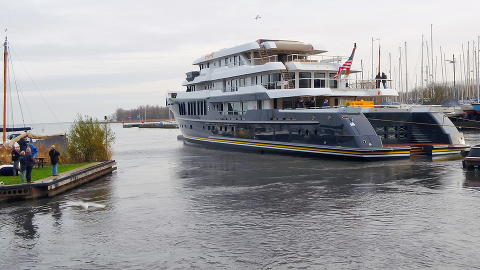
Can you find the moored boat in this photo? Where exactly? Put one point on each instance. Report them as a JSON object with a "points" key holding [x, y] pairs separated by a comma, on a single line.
{"points": [[276, 96]]}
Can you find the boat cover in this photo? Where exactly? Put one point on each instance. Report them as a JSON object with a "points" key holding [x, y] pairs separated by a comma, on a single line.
{"points": [[33, 136]]}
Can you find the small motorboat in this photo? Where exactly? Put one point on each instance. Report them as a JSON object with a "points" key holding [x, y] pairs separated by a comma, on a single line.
{"points": [[472, 158], [6, 170]]}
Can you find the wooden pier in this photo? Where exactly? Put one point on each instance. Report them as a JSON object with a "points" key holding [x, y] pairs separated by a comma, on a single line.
{"points": [[53, 185]]}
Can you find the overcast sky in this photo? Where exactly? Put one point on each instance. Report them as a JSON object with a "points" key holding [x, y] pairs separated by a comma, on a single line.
{"points": [[92, 57]]}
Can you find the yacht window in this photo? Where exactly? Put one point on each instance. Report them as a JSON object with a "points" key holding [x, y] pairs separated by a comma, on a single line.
{"points": [[226, 61], [276, 77], [234, 108], [319, 80], [333, 82], [305, 79], [259, 104]]}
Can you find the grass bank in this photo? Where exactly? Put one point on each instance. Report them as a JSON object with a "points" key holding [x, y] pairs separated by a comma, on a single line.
{"points": [[40, 173]]}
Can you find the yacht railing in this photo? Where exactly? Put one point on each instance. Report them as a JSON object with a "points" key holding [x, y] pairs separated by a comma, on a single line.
{"points": [[322, 83]]}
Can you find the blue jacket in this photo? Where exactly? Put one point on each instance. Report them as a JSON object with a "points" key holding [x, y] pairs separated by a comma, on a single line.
{"points": [[34, 150]]}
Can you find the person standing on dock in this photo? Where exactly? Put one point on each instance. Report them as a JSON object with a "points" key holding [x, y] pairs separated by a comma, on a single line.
{"points": [[23, 144], [15, 157], [23, 168], [34, 150], [29, 164], [54, 160]]}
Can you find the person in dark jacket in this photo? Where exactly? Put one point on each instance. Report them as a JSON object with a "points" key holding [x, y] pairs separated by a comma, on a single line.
{"points": [[15, 156], [23, 144], [54, 160], [29, 164], [23, 168], [378, 79], [384, 80]]}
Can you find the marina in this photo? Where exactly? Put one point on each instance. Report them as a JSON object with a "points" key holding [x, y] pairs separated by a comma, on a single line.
{"points": [[241, 135]]}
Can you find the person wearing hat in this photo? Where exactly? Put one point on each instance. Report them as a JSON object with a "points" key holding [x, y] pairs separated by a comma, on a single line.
{"points": [[54, 160]]}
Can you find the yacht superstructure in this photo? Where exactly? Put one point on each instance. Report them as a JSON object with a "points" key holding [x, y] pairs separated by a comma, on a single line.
{"points": [[282, 96]]}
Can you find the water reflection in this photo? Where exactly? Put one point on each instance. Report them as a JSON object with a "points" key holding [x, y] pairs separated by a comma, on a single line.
{"points": [[24, 224], [472, 178], [292, 185]]}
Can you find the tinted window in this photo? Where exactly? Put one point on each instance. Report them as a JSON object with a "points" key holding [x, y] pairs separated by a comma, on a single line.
{"points": [[474, 152]]}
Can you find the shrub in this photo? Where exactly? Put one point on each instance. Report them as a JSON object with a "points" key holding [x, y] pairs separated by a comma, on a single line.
{"points": [[87, 140]]}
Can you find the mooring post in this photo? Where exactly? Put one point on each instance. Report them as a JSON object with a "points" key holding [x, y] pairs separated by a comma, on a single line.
{"points": [[106, 138]]}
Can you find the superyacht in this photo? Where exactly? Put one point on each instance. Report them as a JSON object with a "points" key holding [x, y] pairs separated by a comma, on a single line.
{"points": [[281, 96]]}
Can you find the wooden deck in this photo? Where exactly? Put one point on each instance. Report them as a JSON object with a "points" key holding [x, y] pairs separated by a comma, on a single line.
{"points": [[53, 185]]}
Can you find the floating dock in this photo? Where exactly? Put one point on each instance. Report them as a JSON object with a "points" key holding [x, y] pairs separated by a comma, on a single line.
{"points": [[53, 185], [131, 125]]}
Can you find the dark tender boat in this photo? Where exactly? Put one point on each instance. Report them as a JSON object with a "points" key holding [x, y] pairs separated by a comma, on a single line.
{"points": [[472, 158]]}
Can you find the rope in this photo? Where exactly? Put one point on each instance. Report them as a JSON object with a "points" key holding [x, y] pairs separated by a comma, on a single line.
{"points": [[38, 90], [18, 96]]}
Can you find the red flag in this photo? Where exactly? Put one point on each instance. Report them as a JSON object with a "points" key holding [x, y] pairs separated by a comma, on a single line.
{"points": [[347, 65]]}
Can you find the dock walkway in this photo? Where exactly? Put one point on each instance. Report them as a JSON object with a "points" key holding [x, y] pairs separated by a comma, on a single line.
{"points": [[53, 185]]}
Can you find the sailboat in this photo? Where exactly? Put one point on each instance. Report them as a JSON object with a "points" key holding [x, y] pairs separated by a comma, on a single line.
{"points": [[6, 129], [8, 169]]}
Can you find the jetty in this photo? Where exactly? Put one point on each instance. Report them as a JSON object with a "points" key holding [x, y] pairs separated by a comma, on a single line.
{"points": [[166, 124], [53, 185]]}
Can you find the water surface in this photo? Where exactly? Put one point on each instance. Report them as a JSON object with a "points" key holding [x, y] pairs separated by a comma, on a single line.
{"points": [[172, 206]]}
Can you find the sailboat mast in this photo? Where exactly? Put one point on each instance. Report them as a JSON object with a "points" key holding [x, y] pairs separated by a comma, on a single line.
{"points": [[5, 53]]}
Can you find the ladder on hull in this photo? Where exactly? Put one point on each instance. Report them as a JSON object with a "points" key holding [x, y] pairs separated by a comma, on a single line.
{"points": [[417, 151]]}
